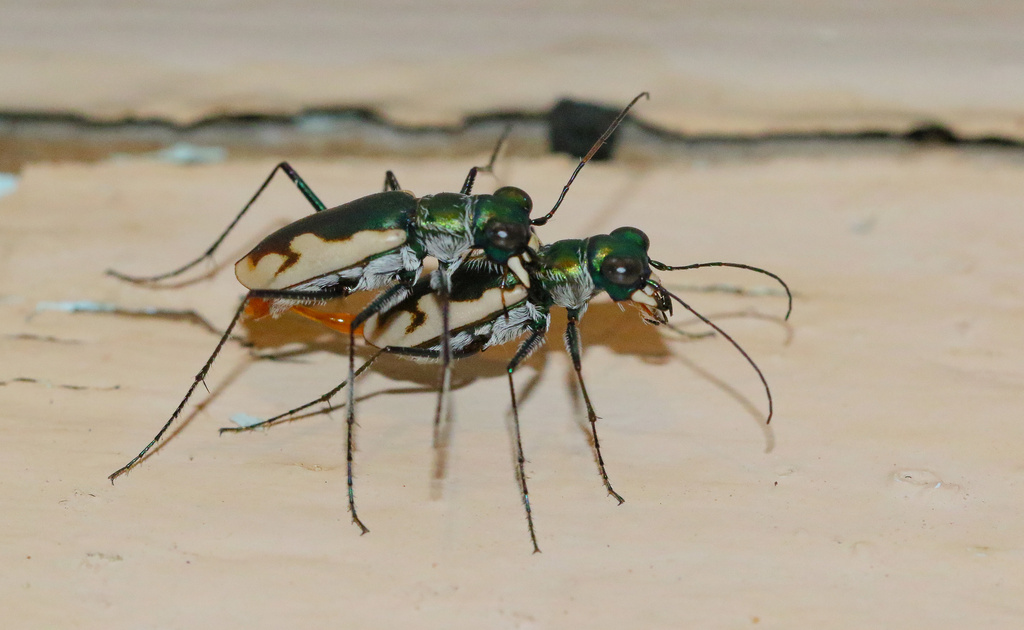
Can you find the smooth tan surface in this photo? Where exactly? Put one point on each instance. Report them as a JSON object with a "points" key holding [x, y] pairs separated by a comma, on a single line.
{"points": [[889, 495], [734, 67]]}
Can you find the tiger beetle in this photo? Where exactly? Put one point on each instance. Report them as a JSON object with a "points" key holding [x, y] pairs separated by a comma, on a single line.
{"points": [[491, 307], [373, 243]]}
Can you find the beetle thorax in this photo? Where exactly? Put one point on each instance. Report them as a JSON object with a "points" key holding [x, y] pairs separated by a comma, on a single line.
{"points": [[444, 226], [566, 279]]}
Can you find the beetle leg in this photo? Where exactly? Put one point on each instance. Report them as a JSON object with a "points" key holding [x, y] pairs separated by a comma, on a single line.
{"points": [[300, 183], [326, 397], [287, 416], [467, 186], [532, 342], [572, 344], [391, 182], [201, 376], [443, 295], [393, 293]]}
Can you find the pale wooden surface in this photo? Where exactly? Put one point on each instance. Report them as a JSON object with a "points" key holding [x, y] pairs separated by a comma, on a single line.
{"points": [[896, 448], [897, 441], [744, 66]]}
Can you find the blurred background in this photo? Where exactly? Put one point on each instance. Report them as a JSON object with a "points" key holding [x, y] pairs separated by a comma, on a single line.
{"points": [[380, 78]]}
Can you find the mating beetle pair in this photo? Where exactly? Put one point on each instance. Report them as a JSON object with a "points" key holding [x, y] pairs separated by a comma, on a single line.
{"points": [[492, 284]]}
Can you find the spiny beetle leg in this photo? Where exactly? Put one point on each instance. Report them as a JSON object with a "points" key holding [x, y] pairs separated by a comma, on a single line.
{"points": [[467, 186], [391, 182], [534, 341], [388, 296], [300, 183], [201, 376], [572, 343], [443, 294], [287, 416]]}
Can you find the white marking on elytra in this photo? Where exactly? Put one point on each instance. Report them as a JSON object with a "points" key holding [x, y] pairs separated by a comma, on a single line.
{"points": [[316, 257], [402, 328]]}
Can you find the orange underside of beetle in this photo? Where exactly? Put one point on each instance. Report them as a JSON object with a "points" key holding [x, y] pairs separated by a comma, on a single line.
{"points": [[258, 308]]}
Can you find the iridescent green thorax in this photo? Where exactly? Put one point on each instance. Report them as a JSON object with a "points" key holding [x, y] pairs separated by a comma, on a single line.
{"points": [[562, 273], [562, 260], [443, 212]]}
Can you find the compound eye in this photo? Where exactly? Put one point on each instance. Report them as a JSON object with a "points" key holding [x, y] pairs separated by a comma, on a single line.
{"points": [[509, 237], [623, 271], [517, 196], [635, 235]]}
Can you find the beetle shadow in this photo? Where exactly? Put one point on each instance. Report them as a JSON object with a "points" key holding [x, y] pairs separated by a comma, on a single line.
{"points": [[261, 335], [183, 420], [199, 269], [606, 324], [290, 338]]}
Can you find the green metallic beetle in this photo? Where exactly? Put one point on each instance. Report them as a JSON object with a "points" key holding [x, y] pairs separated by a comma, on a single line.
{"points": [[490, 308], [377, 242]]}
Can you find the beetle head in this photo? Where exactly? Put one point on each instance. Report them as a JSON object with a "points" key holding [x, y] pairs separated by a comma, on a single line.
{"points": [[619, 264], [503, 223]]}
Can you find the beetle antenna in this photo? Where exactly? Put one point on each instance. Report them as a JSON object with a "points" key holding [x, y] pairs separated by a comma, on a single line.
{"points": [[789, 294], [760, 375], [590, 154], [686, 334]]}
